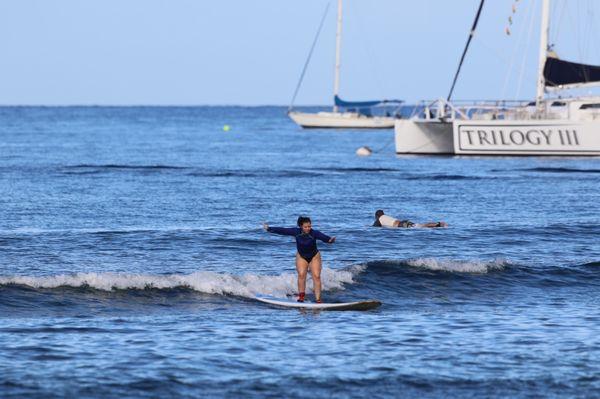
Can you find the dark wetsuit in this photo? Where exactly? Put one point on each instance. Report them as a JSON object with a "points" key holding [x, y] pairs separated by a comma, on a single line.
{"points": [[306, 243]]}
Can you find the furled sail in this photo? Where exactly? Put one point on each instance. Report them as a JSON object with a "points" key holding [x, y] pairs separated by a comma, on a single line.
{"points": [[558, 73], [363, 107], [362, 104]]}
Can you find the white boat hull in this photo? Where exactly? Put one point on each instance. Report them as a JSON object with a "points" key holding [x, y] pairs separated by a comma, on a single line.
{"points": [[498, 137], [423, 137], [527, 137], [348, 120]]}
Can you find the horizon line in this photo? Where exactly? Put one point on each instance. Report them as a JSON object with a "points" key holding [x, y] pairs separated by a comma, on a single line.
{"points": [[156, 105]]}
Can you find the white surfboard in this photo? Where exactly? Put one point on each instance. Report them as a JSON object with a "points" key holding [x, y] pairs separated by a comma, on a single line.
{"points": [[292, 303]]}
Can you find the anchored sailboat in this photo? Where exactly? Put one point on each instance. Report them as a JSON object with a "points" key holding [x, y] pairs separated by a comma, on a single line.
{"points": [[345, 114], [548, 126]]}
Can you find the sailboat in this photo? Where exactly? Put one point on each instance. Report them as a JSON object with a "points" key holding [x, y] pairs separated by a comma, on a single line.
{"points": [[345, 114], [546, 126]]}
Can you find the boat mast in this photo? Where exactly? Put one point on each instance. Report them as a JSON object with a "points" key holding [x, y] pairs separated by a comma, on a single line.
{"points": [[543, 54], [338, 45]]}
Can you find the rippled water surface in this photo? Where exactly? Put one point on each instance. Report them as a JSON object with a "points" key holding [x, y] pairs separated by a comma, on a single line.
{"points": [[131, 249]]}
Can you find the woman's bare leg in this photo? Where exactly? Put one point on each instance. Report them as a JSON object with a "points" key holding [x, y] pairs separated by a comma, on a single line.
{"points": [[302, 268], [434, 224], [315, 270]]}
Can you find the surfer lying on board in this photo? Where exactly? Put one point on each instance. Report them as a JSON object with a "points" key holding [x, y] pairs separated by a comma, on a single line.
{"points": [[308, 256], [383, 220]]}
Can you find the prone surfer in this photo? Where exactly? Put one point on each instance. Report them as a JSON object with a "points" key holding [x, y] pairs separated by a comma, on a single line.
{"points": [[383, 220], [308, 256]]}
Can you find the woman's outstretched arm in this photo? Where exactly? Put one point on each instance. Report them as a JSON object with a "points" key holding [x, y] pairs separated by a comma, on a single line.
{"points": [[323, 237], [284, 231]]}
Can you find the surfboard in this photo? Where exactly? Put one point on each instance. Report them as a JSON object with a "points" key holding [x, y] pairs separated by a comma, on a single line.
{"points": [[292, 303]]}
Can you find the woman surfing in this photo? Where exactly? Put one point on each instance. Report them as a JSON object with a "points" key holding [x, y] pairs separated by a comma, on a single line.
{"points": [[308, 256]]}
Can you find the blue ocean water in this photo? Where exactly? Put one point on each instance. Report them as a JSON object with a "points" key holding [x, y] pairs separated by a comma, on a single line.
{"points": [[131, 248]]}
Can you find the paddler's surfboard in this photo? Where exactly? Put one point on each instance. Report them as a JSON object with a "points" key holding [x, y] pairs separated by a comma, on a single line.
{"points": [[292, 303]]}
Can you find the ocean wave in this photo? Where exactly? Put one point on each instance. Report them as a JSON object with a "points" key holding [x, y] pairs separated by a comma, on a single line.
{"points": [[124, 166], [458, 266], [92, 169], [592, 264], [358, 169], [85, 169], [256, 173], [445, 177], [445, 265], [205, 282], [127, 230], [557, 170]]}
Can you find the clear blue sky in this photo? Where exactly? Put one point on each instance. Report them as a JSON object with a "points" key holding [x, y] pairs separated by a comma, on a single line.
{"points": [[251, 52]]}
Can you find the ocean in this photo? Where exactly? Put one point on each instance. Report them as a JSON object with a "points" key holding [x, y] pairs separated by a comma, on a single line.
{"points": [[131, 249]]}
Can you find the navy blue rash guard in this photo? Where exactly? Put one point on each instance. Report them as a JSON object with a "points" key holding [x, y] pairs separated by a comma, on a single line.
{"points": [[305, 243]]}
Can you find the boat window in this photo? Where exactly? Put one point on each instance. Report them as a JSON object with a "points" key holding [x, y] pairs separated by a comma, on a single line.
{"points": [[558, 104], [590, 106]]}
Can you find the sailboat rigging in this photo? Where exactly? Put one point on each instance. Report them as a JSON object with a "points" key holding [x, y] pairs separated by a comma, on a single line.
{"points": [[345, 114], [547, 126]]}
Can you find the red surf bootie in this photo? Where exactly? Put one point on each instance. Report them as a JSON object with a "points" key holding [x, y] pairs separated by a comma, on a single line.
{"points": [[301, 296]]}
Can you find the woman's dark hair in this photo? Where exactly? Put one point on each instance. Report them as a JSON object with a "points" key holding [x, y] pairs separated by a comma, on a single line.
{"points": [[302, 220]]}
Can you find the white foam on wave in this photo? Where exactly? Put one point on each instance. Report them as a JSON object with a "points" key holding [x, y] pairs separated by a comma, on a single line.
{"points": [[95, 230], [247, 285], [130, 229], [458, 266]]}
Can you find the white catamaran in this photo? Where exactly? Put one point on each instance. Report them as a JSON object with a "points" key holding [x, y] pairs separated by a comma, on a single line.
{"points": [[548, 126], [345, 114]]}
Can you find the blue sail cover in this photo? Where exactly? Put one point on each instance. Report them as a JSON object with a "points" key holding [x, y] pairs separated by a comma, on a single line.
{"points": [[558, 72], [362, 104], [363, 107]]}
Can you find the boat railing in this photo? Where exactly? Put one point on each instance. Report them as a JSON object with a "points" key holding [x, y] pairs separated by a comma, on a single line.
{"points": [[443, 110]]}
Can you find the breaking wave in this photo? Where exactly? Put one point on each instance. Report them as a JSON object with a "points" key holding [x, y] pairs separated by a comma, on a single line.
{"points": [[205, 282]]}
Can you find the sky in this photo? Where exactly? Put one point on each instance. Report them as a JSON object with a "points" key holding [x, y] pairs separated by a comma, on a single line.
{"points": [[241, 52]]}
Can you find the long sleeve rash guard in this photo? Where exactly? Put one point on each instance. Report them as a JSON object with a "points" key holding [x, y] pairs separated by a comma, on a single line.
{"points": [[305, 243]]}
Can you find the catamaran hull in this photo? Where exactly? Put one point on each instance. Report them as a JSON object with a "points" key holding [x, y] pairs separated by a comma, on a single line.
{"points": [[341, 120], [500, 137], [527, 137], [423, 137]]}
